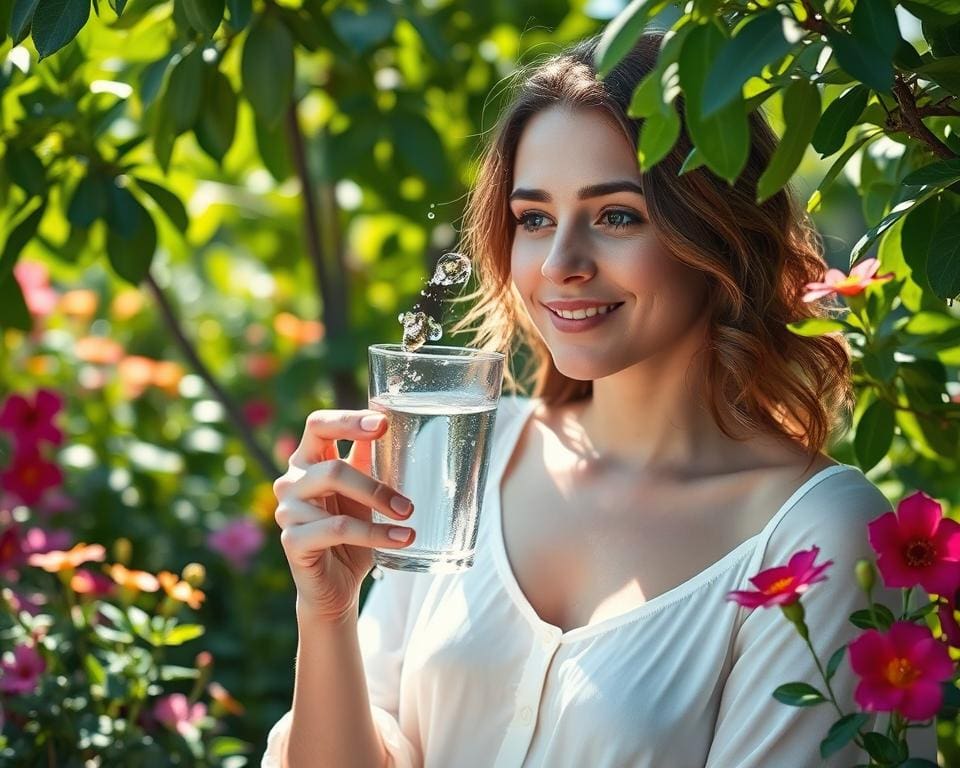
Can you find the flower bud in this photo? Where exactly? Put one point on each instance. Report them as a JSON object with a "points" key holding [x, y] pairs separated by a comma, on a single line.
{"points": [[122, 551], [795, 613], [204, 660], [194, 574], [866, 574]]}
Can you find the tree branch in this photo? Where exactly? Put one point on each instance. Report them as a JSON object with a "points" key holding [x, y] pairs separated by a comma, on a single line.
{"points": [[911, 123], [236, 416]]}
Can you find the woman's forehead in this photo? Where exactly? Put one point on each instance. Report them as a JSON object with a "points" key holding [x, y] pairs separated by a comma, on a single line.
{"points": [[566, 149]]}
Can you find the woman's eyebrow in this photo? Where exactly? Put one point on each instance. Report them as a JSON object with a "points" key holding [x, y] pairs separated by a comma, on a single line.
{"points": [[592, 190]]}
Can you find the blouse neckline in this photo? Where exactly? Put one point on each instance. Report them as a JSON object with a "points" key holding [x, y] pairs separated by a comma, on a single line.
{"points": [[551, 632]]}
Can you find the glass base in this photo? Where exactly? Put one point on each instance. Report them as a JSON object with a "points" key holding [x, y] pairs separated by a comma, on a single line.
{"points": [[437, 562]]}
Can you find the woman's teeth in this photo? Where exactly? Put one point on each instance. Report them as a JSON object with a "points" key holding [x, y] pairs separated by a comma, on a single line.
{"points": [[580, 314]]}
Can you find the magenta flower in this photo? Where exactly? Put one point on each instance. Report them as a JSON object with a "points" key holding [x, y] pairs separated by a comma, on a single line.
{"points": [[783, 584], [30, 476], [11, 549], [32, 422], [900, 670], [237, 541], [37, 540], [856, 282], [946, 613], [917, 545], [175, 712], [257, 412], [20, 670]]}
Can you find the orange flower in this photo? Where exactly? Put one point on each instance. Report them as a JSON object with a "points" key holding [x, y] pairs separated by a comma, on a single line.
{"points": [[179, 590], [126, 304], [58, 560], [301, 331], [136, 373], [98, 350], [222, 696], [138, 581], [80, 303], [264, 503], [167, 375]]}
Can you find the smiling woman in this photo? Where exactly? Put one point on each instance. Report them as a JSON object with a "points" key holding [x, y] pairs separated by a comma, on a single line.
{"points": [[672, 448]]}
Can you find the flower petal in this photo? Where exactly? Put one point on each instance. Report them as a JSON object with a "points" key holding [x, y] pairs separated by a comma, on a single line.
{"points": [[865, 268], [869, 653], [877, 695], [921, 701], [919, 516]]}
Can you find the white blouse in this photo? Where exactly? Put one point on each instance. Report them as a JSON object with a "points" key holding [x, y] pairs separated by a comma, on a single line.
{"points": [[463, 673]]}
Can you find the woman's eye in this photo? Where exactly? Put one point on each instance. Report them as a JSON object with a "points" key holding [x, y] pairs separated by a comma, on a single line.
{"points": [[524, 220], [620, 219]]}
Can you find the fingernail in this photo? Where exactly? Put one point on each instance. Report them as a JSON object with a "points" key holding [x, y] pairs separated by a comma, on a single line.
{"points": [[399, 534], [401, 505], [371, 423]]}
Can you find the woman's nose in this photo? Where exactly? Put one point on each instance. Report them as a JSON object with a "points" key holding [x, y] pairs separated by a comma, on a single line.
{"points": [[569, 258]]}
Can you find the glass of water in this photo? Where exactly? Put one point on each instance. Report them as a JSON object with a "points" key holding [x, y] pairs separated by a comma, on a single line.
{"points": [[441, 403]]}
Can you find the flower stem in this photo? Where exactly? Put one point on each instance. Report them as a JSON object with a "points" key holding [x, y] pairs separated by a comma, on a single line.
{"points": [[906, 602]]}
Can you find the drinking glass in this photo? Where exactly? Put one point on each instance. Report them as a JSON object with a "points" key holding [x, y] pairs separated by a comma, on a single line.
{"points": [[441, 404]]}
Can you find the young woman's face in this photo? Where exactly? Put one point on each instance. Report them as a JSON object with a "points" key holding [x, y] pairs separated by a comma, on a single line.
{"points": [[574, 244]]}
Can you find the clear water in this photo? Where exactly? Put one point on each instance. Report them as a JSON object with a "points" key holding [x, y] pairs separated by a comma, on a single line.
{"points": [[435, 451]]}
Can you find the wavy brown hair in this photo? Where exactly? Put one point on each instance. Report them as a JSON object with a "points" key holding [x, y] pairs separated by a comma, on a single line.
{"points": [[757, 258]]}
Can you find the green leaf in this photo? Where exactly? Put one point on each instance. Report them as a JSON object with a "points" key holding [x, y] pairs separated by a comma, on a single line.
{"points": [[19, 236], [862, 59], [842, 732], [798, 695], [20, 19], [759, 42], [621, 34], [274, 149], [89, 201], [834, 663], [874, 434], [95, 670], [222, 746], [945, 72], [131, 241], [943, 259], [184, 94], [838, 118], [173, 672], [943, 173], [218, 117], [815, 199], [168, 202], [693, 161], [940, 12], [864, 620], [817, 326], [419, 145], [898, 212], [240, 12], [658, 134], [881, 748], [944, 40], [724, 138], [13, 307], [801, 111], [875, 22], [204, 15], [57, 22], [363, 31], [923, 610], [267, 68], [182, 634], [26, 170]]}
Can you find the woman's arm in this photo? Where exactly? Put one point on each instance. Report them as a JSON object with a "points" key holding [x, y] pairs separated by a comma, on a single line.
{"points": [[330, 722]]}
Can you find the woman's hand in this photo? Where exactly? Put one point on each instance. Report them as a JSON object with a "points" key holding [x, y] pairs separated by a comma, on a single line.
{"points": [[325, 513]]}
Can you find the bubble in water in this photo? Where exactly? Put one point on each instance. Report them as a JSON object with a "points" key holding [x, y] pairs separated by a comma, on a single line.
{"points": [[418, 327], [394, 384], [452, 269]]}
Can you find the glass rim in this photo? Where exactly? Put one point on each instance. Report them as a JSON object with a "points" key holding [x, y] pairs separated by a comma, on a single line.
{"points": [[396, 350]]}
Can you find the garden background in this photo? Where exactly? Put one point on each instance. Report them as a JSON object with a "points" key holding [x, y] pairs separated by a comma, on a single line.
{"points": [[208, 210]]}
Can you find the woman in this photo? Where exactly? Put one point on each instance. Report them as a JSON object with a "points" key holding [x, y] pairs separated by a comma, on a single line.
{"points": [[673, 449]]}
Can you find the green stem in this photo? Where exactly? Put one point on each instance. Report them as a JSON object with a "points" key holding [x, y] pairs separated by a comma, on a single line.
{"points": [[906, 602]]}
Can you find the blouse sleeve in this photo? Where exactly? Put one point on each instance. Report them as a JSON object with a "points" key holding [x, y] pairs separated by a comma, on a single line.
{"points": [[383, 629], [753, 730]]}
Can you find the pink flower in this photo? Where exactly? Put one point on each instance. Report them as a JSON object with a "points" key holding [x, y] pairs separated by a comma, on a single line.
{"points": [[237, 541], [175, 712], [32, 422], [20, 670], [85, 582], [900, 670], [30, 476], [257, 412], [783, 584], [836, 281], [917, 545], [39, 540], [34, 280], [948, 621]]}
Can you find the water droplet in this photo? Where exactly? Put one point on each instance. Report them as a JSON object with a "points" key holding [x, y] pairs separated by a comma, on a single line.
{"points": [[418, 327], [431, 215], [452, 269], [433, 205]]}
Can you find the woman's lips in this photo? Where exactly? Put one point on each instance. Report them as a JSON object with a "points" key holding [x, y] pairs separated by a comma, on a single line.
{"points": [[576, 326]]}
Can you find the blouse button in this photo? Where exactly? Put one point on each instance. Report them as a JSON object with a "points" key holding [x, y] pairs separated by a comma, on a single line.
{"points": [[525, 714]]}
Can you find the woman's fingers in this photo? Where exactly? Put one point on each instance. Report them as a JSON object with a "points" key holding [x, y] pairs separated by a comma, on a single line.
{"points": [[324, 428], [301, 541], [338, 477]]}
